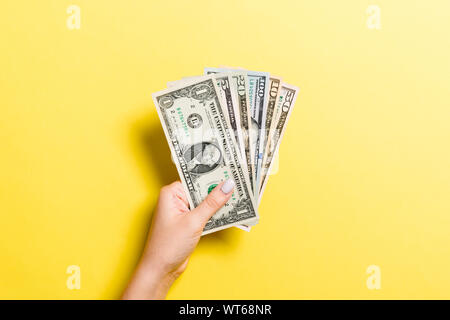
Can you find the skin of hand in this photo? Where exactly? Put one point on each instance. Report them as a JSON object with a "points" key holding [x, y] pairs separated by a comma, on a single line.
{"points": [[173, 236]]}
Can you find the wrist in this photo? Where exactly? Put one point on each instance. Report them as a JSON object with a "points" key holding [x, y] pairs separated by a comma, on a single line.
{"points": [[150, 281]]}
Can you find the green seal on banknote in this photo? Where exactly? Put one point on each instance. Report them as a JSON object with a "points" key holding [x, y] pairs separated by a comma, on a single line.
{"points": [[211, 187]]}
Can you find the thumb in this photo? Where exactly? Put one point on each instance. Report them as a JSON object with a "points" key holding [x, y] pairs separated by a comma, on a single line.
{"points": [[214, 201]]}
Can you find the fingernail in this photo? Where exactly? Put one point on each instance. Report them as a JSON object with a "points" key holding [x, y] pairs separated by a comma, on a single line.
{"points": [[228, 186]]}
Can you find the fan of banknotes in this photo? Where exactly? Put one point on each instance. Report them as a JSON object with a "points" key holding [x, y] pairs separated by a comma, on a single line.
{"points": [[227, 123]]}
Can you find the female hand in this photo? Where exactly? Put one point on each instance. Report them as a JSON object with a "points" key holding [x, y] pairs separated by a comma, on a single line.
{"points": [[174, 234]]}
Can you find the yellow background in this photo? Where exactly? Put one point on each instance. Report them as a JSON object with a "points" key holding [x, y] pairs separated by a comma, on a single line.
{"points": [[364, 174]]}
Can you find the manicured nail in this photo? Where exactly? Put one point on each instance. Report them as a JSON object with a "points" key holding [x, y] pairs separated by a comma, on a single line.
{"points": [[228, 186]]}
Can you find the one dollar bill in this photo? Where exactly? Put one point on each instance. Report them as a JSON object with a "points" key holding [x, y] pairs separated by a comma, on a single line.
{"points": [[205, 150]]}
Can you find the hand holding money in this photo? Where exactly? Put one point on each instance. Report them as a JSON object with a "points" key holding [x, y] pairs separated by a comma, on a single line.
{"points": [[174, 234], [227, 124], [223, 163]]}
